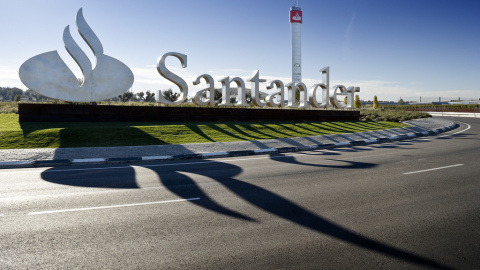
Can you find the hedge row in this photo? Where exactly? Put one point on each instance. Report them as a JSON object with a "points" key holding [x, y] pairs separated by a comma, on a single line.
{"points": [[436, 107]]}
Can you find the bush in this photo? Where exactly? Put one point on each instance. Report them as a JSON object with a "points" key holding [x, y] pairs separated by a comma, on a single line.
{"points": [[357, 103], [391, 115], [375, 102], [437, 107], [8, 107]]}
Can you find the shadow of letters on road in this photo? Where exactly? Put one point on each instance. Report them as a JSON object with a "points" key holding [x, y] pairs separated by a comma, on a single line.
{"points": [[174, 179]]}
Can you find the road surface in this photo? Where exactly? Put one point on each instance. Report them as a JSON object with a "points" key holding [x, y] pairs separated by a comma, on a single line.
{"points": [[404, 205]]}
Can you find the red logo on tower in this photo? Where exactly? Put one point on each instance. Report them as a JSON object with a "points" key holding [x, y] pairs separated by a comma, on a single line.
{"points": [[295, 16]]}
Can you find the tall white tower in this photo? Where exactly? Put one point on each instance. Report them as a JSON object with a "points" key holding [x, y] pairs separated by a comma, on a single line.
{"points": [[296, 36]]}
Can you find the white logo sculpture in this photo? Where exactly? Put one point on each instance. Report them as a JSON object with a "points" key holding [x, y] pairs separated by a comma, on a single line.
{"points": [[48, 74]]}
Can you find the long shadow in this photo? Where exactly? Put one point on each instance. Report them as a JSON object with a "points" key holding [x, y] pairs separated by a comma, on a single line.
{"points": [[280, 132], [124, 177], [347, 164], [311, 140], [285, 209], [366, 127], [219, 129], [199, 131], [253, 129], [73, 136], [173, 178], [237, 129], [339, 127], [463, 136], [296, 132], [333, 130], [307, 126]]}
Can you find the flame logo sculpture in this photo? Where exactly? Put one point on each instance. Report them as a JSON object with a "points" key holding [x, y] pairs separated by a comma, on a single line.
{"points": [[48, 74]]}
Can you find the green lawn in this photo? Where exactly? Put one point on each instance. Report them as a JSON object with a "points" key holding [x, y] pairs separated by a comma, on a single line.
{"points": [[14, 135]]}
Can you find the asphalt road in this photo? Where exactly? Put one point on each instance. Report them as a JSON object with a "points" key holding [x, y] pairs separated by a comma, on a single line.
{"points": [[405, 205]]}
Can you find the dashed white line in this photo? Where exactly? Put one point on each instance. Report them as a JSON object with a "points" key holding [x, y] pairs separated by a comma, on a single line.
{"points": [[434, 169], [109, 206]]}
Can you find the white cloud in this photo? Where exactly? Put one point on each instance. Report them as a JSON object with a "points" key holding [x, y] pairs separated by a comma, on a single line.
{"points": [[9, 78]]}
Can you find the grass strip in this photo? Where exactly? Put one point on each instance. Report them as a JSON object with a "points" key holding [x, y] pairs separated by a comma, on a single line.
{"points": [[14, 135]]}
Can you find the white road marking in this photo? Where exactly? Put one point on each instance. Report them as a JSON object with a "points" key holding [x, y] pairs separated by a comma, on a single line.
{"points": [[447, 135], [157, 157], [434, 169], [109, 206], [88, 160]]}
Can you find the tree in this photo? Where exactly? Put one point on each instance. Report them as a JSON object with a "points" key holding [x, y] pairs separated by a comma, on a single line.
{"points": [[9, 93], [401, 102], [17, 98], [149, 97], [126, 96], [357, 103], [217, 94], [375, 102], [141, 95], [345, 100], [34, 95], [170, 95]]}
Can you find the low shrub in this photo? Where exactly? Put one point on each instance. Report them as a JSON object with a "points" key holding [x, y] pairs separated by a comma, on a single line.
{"points": [[8, 107], [436, 107], [391, 115]]}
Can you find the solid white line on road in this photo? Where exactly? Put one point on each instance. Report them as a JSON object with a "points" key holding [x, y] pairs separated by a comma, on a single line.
{"points": [[88, 160], [109, 206], [157, 157], [434, 169], [451, 134]]}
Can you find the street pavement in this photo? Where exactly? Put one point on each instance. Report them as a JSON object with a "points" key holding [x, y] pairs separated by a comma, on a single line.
{"points": [[409, 204]]}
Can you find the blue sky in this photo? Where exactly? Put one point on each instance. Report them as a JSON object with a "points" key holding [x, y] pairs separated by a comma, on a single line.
{"points": [[390, 48]]}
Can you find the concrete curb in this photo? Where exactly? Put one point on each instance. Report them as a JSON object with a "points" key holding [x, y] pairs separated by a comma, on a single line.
{"points": [[93, 161]]}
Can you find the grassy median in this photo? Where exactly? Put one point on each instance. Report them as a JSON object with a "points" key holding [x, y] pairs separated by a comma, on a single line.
{"points": [[14, 135]]}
